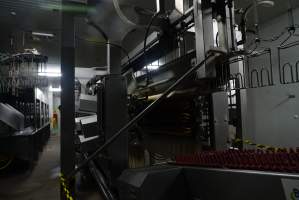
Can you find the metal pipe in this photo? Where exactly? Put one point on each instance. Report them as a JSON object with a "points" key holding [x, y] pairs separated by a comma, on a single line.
{"points": [[297, 71], [99, 178], [209, 58], [67, 145], [254, 71], [239, 77], [100, 91], [232, 78], [245, 13], [248, 73], [268, 76], [291, 15], [230, 7], [283, 73], [98, 28], [288, 45], [271, 67], [279, 65], [108, 57], [256, 19]]}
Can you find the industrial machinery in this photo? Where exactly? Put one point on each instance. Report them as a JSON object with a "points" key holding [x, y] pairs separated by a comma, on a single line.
{"points": [[169, 121], [24, 116]]}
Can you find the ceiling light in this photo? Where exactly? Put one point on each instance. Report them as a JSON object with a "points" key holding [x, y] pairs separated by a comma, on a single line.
{"points": [[49, 74], [43, 34], [157, 6], [179, 5], [33, 51], [267, 4], [51, 89]]}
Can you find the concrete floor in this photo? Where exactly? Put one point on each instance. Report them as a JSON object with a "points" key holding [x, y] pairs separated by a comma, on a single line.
{"points": [[39, 182]]}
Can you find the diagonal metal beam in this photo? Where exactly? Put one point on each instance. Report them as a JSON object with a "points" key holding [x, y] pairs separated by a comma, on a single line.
{"points": [[210, 58]]}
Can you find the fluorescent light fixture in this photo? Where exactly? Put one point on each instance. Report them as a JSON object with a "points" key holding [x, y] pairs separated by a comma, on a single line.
{"points": [[39, 94], [191, 29], [33, 51], [43, 34], [52, 68], [49, 74], [155, 63], [267, 4], [153, 67], [179, 5], [157, 6], [55, 89]]}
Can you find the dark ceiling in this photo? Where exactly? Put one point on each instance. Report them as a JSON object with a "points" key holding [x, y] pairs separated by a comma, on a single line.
{"points": [[44, 16], [18, 18], [30, 14]]}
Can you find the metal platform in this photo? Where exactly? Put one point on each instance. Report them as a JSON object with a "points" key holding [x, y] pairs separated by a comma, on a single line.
{"points": [[12, 117], [190, 183]]}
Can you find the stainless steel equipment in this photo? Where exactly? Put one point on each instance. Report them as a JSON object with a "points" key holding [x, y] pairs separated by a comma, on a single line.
{"points": [[11, 117], [190, 183]]}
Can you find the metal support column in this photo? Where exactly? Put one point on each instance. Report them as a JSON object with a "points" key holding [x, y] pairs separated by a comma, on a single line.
{"points": [[115, 114], [230, 25], [67, 97], [220, 116], [203, 23]]}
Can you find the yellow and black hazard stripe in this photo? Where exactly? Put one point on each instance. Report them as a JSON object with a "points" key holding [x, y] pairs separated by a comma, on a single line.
{"points": [[65, 188], [259, 146]]}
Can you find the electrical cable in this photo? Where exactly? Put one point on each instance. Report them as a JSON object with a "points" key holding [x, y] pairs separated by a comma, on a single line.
{"points": [[98, 28], [112, 44], [123, 49], [284, 41]]}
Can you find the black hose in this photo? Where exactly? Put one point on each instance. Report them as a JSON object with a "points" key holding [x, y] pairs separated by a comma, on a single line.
{"points": [[101, 182], [98, 28], [123, 49], [285, 40]]}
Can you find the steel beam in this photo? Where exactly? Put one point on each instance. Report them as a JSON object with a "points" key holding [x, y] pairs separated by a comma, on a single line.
{"points": [[203, 24], [67, 96]]}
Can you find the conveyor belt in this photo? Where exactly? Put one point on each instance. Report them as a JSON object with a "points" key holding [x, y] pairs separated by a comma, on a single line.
{"points": [[281, 161]]}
